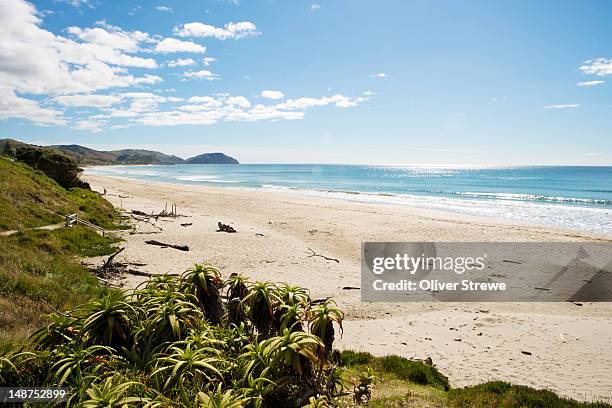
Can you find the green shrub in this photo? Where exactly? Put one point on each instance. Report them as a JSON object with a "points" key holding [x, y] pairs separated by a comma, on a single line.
{"points": [[503, 394], [61, 168], [414, 371], [354, 358]]}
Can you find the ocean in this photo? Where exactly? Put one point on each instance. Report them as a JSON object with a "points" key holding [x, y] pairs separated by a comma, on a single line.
{"points": [[570, 197]]}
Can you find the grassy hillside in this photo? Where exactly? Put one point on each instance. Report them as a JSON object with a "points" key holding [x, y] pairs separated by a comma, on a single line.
{"points": [[39, 273], [39, 270], [29, 199], [87, 156]]}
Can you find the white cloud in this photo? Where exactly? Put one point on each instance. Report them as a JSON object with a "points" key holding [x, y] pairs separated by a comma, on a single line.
{"points": [[238, 30], [239, 101], [98, 101], [203, 74], [164, 8], [315, 7], [272, 94], [77, 3], [111, 36], [181, 62], [599, 67], [563, 106], [205, 100], [338, 100], [169, 45], [378, 75], [209, 60], [94, 126], [13, 106], [206, 110], [36, 61], [588, 84]]}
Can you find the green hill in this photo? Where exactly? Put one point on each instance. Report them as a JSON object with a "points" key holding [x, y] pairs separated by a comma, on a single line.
{"points": [[212, 158], [28, 198], [87, 156]]}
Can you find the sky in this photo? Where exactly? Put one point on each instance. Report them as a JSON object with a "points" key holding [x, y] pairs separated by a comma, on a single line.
{"points": [[401, 82]]}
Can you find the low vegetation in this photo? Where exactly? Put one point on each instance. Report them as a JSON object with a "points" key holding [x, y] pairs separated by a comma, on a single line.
{"points": [[39, 269], [398, 382], [178, 341], [175, 342], [39, 273], [29, 198]]}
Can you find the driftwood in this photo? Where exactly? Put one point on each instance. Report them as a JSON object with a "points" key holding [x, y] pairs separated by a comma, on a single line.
{"points": [[225, 228], [138, 273], [327, 258], [142, 216], [146, 220], [108, 283], [164, 245], [111, 269], [109, 261]]}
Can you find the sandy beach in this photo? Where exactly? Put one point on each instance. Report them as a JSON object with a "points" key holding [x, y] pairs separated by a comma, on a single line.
{"points": [[568, 345]]}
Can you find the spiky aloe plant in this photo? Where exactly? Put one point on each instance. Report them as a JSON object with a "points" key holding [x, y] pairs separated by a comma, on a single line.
{"points": [[204, 340], [236, 313], [62, 329], [204, 281], [289, 317], [109, 394], [73, 360], [169, 315], [322, 319], [318, 402], [258, 389], [255, 361], [188, 367], [237, 286], [161, 282], [107, 320], [262, 296], [12, 358], [223, 399], [293, 295], [293, 349]]}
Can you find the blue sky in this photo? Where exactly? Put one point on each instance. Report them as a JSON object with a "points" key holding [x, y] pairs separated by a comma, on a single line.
{"points": [[388, 82]]}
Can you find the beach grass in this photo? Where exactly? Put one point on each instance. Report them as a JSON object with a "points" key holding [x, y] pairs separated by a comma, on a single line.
{"points": [[39, 273], [402, 383], [29, 199]]}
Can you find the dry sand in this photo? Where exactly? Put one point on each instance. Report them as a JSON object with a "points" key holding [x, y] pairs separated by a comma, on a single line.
{"points": [[570, 345]]}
